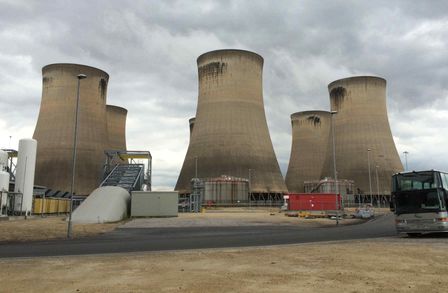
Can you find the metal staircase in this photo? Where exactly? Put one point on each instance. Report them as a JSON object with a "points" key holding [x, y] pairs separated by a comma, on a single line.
{"points": [[127, 176]]}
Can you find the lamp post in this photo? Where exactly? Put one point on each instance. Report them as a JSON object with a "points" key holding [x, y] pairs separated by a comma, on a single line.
{"points": [[334, 165], [75, 138], [249, 185], [196, 167], [406, 160], [377, 186], [370, 178]]}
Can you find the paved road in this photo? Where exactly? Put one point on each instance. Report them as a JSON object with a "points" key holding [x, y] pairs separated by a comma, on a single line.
{"points": [[157, 239]]}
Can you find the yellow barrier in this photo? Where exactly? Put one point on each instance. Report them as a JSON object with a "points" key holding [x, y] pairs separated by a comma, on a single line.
{"points": [[37, 209], [51, 205]]}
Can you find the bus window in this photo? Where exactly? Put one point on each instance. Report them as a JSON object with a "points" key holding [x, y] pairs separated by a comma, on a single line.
{"points": [[419, 181], [444, 177]]}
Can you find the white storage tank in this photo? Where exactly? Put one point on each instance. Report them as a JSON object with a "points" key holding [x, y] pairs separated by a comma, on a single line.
{"points": [[4, 186], [3, 160], [26, 163]]}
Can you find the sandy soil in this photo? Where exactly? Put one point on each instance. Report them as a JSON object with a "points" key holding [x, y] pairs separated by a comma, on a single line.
{"points": [[55, 227], [381, 265]]}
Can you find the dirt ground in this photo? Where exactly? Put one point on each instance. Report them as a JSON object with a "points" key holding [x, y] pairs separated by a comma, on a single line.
{"points": [[54, 227], [381, 265], [233, 218]]}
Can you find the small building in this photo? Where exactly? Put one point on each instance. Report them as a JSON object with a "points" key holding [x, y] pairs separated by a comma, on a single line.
{"points": [[154, 204]]}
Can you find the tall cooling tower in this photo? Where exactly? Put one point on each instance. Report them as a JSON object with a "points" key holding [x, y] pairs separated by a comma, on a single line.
{"points": [[116, 127], [362, 124], [230, 134], [310, 134], [55, 127]]}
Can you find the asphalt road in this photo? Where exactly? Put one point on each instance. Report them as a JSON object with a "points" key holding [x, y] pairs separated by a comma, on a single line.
{"points": [[158, 239]]}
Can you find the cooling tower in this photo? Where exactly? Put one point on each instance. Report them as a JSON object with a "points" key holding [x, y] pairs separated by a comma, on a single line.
{"points": [[55, 127], [116, 127], [310, 137], [191, 121], [362, 124], [230, 134]]}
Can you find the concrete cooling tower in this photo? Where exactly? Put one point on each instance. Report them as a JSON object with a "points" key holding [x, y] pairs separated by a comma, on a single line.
{"points": [[55, 127], [116, 127], [310, 137], [230, 134], [362, 124]]}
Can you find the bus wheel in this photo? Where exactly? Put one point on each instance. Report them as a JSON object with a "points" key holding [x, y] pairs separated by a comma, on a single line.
{"points": [[414, 234]]}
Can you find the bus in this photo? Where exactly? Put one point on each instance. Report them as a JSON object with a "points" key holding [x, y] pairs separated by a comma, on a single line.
{"points": [[419, 201]]}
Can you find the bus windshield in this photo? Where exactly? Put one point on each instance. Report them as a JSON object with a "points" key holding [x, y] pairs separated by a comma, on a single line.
{"points": [[416, 181]]}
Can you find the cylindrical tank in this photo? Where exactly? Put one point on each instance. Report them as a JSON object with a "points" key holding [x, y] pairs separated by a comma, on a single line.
{"points": [[116, 127], [55, 127], [26, 163], [3, 160], [191, 122], [230, 134], [361, 123], [4, 187], [310, 134], [4, 181]]}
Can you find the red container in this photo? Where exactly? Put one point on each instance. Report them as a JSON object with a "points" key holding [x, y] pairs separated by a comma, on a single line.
{"points": [[314, 202]]}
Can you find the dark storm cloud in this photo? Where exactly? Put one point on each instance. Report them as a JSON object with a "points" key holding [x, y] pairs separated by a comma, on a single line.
{"points": [[149, 48]]}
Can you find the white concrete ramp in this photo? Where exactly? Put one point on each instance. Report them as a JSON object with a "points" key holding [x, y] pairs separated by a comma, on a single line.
{"points": [[103, 205]]}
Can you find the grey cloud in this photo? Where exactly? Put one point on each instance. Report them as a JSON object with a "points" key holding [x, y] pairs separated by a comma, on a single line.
{"points": [[149, 48]]}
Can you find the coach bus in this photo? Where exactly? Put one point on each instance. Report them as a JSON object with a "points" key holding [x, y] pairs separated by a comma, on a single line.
{"points": [[420, 201]]}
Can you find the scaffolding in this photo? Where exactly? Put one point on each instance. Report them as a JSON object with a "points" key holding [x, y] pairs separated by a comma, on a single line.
{"points": [[12, 161]]}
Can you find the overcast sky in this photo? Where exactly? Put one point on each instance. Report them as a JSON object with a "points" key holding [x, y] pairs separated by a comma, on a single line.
{"points": [[149, 49]]}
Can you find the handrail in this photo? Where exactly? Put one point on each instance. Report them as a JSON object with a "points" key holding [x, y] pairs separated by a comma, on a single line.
{"points": [[107, 177], [139, 175]]}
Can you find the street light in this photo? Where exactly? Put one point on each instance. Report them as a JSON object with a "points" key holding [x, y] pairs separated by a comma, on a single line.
{"points": [[406, 159], [75, 138], [249, 185], [195, 167], [334, 166], [378, 186], [370, 179]]}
